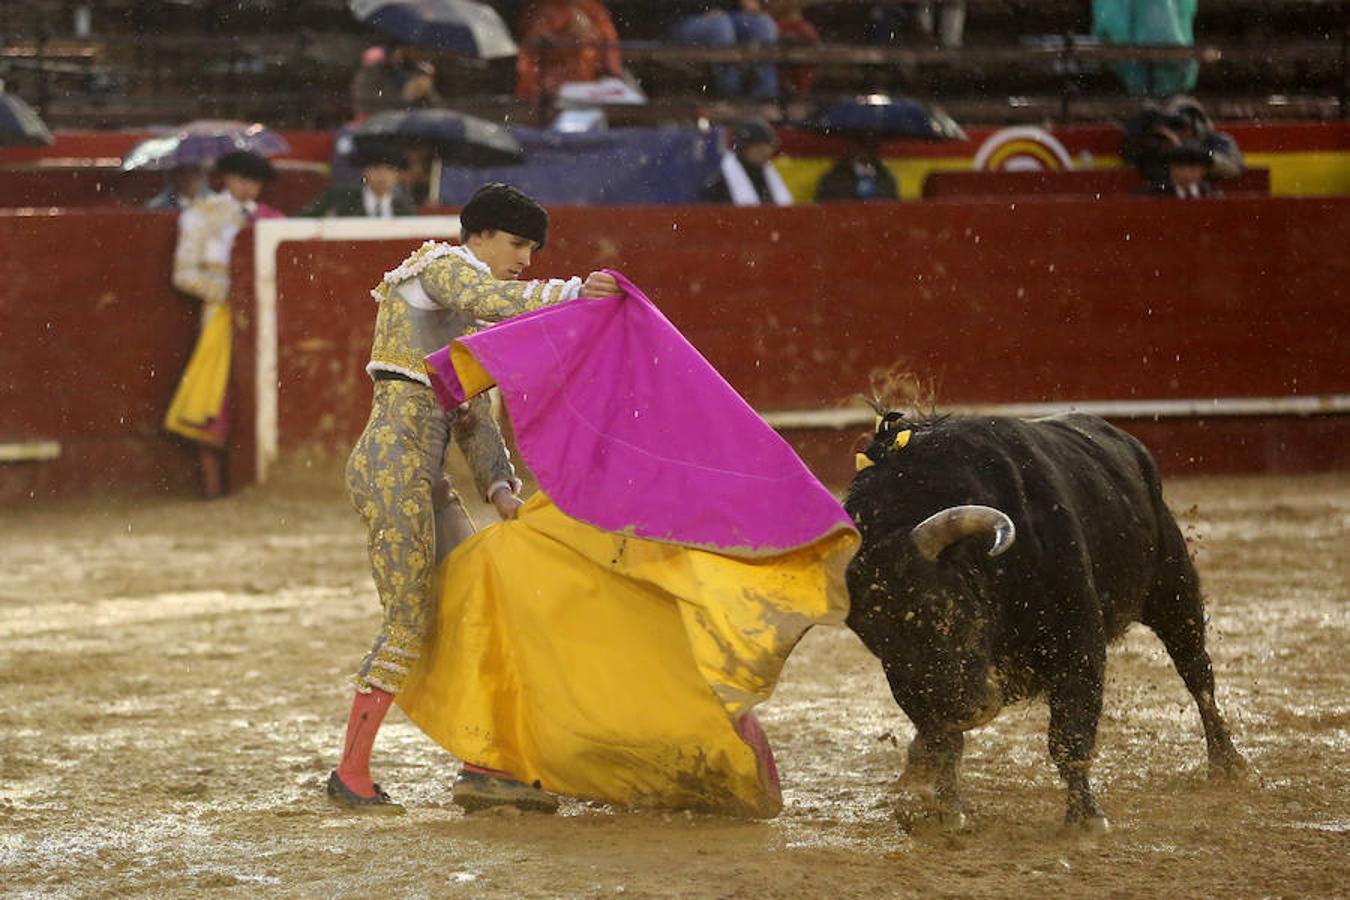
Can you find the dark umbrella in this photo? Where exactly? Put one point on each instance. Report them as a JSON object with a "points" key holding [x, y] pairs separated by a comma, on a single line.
{"points": [[203, 142], [456, 138], [879, 115], [459, 26], [19, 125]]}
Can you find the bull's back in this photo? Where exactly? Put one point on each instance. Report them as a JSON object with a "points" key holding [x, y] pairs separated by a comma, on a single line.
{"points": [[1114, 517], [1086, 501]]}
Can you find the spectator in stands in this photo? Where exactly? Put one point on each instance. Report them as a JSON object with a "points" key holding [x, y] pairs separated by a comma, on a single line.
{"points": [[416, 174], [206, 232], [1155, 131], [859, 177], [1149, 135], [393, 77], [944, 20], [1170, 22], [183, 186], [746, 176], [886, 23], [541, 68], [794, 30], [380, 196], [710, 25], [1188, 173], [1195, 124]]}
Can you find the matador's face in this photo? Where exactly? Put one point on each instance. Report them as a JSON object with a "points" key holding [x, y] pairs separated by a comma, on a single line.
{"points": [[507, 255]]}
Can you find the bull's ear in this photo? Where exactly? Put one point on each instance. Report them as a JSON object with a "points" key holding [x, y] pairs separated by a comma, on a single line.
{"points": [[862, 461], [901, 439]]}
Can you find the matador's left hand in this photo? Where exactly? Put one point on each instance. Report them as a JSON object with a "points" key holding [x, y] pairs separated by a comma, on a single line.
{"points": [[506, 503]]}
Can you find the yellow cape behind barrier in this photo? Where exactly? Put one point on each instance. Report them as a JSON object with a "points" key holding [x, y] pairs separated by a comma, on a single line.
{"points": [[612, 668], [200, 397]]}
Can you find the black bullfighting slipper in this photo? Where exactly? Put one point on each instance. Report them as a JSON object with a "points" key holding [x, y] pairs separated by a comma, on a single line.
{"points": [[347, 798], [473, 791]]}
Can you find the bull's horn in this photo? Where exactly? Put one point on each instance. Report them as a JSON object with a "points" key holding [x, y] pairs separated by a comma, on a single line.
{"points": [[942, 529]]}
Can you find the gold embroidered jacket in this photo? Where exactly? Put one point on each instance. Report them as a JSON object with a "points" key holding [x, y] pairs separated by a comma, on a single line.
{"points": [[201, 259], [442, 292]]}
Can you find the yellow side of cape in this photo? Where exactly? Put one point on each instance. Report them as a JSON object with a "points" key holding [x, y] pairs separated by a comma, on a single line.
{"points": [[613, 668]]}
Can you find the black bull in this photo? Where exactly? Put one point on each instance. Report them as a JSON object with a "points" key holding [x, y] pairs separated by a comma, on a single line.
{"points": [[962, 627]]}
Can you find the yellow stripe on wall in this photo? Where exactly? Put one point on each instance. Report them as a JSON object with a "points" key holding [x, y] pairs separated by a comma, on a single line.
{"points": [[1291, 174]]}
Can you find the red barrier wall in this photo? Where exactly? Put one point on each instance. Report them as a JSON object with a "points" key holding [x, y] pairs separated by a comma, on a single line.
{"points": [[1117, 299], [92, 340], [1038, 302]]}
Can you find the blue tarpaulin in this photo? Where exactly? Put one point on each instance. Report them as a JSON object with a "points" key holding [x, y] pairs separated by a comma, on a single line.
{"points": [[617, 167]]}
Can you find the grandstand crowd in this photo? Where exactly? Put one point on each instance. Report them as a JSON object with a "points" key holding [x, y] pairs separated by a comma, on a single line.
{"points": [[127, 63]]}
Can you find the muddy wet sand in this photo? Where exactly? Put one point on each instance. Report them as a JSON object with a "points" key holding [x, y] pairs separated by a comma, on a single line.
{"points": [[173, 676]]}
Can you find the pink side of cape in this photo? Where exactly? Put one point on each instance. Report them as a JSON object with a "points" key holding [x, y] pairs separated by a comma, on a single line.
{"points": [[627, 427]]}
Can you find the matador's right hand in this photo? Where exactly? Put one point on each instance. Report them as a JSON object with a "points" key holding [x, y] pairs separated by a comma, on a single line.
{"points": [[599, 284]]}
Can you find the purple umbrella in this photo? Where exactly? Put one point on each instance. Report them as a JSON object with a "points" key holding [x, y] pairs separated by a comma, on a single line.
{"points": [[203, 142]]}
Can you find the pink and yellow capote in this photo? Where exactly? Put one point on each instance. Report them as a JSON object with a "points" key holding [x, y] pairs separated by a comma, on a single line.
{"points": [[607, 641]]}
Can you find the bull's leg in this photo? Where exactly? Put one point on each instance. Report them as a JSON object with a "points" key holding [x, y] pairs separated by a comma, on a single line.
{"points": [[1075, 707], [1177, 617], [931, 772]]}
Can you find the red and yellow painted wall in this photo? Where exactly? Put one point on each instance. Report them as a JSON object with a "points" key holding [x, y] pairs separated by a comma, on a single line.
{"points": [[1305, 159]]}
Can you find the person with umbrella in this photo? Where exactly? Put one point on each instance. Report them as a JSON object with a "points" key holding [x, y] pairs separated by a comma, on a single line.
{"points": [[431, 138], [186, 154], [865, 121], [396, 472], [861, 176], [1188, 167], [183, 186], [206, 232], [393, 76], [380, 195]]}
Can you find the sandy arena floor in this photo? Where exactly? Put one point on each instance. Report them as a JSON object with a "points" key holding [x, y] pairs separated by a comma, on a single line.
{"points": [[173, 682]]}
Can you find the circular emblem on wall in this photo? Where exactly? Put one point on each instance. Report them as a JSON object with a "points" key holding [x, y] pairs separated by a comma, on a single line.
{"points": [[1022, 149]]}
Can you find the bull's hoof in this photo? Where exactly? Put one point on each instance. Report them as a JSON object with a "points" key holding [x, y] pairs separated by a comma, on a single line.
{"points": [[1086, 826], [1095, 825], [931, 821], [952, 820], [935, 812], [1229, 767]]}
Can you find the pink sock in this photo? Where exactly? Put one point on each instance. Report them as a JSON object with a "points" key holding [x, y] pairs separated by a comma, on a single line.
{"points": [[748, 727], [363, 724]]}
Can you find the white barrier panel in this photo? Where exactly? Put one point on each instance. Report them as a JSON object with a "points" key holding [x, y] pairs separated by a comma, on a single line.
{"points": [[268, 234], [852, 417]]}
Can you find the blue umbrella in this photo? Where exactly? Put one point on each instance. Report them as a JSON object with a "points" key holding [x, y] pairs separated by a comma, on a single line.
{"points": [[203, 142], [458, 139], [459, 26], [878, 115], [19, 125]]}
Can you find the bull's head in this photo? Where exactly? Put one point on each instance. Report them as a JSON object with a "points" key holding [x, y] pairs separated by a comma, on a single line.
{"points": [[920, 592], [891, 434]]}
